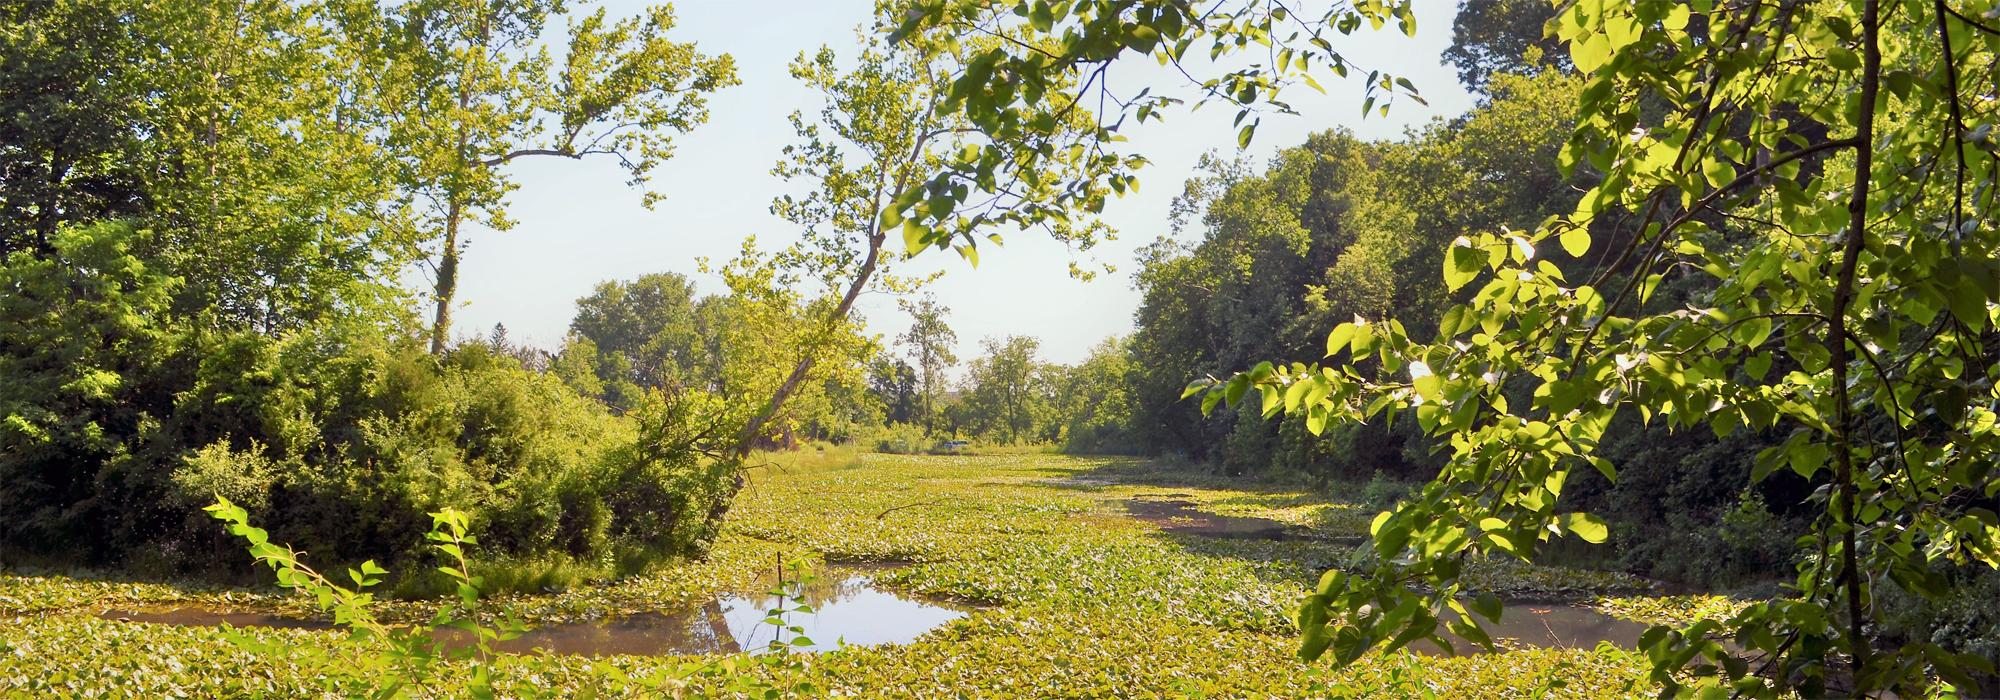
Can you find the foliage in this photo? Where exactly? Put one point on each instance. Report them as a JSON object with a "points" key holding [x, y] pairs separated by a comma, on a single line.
{"points": [[1383, 494], [1678, 610], [1093, 403], [897, 388], [118, 423], [1503, 36], [80, 342], [648, 324], [405, 657], [756, 336], [930, 343], [69, 90], [227, 129], [1328, 230], [1785, 158], [1025, 94], [1006, 396], [404, 661], [899, 439], [467, 87]]}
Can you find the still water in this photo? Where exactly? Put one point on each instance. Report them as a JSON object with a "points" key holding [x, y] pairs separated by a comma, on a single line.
{"points": [[847, 608]]}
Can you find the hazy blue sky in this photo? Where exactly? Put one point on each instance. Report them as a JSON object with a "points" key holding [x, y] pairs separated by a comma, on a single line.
{"points": [[579, 225]]}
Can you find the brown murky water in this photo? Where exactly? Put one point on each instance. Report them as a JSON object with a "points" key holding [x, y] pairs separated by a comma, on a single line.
{"points": [[1561, 626], [847, 608], [1183, 518]]}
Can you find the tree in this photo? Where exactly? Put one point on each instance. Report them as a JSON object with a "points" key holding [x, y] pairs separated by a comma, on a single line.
{"points": [[576, 365], [1004, 392], [930, 342], [880, 154], [230, 129], [1809, 171], [1503, 36], [68, 109], [76, 324], [650, 322], [1053, 57], [758, 335], [896, 385], [1093, 406], [468, 87]]}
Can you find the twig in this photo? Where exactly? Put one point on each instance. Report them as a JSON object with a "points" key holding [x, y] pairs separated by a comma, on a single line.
{"points": [[885, 514]]}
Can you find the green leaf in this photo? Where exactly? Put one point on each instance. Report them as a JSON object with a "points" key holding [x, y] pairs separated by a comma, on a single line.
{"points": [[916, 237], [1234, 390], [1758, 365], [1589, 527], [1968, 305], [1591, 53], [1753, 332], [1462, 264], [1338, 340], [1197, 386], [1575, 241], [1488, 606]]}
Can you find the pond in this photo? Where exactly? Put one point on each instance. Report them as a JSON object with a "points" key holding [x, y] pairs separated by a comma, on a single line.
{"points": [[848, 608]]}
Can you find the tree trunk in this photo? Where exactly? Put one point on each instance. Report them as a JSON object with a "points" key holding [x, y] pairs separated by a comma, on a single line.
{"points": [[1837, 341], [447, 281], [931, 387]]}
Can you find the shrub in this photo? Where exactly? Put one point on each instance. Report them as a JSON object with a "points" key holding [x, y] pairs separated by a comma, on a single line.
{"points": [[900, 439], [1963, 620], [1383, 493], [119, 421]]}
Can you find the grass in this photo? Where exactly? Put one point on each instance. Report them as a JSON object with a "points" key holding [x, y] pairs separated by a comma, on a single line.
{"points": [[1077, 599]]}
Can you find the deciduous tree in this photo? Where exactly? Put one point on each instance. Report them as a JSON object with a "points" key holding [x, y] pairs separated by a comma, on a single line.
{"points": [[468, 86], [931, 343]]}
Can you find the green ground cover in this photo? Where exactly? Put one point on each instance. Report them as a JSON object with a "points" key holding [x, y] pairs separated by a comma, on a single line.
{"points": [[1074, 599]]}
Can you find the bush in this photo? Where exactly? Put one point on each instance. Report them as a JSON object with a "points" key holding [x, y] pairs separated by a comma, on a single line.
{"points": [[1744, 544], [118, 422], [1962, 621], [1382, 493], [899, 439]]}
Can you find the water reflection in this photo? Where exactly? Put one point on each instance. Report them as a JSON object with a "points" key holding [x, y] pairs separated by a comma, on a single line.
{"points": [[847, 608]]}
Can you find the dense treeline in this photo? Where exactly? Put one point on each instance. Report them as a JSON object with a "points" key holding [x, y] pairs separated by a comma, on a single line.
{"points": [[1267, 257]]}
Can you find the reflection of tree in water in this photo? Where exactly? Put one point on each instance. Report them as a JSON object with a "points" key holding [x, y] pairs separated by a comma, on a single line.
{"points": [[818, 592], [712, 635], [726, 625], [702, 630]]}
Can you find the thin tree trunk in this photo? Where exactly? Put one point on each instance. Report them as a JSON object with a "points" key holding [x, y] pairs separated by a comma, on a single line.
{"points": [[930, 386], [746, 439], [1836, 341]]}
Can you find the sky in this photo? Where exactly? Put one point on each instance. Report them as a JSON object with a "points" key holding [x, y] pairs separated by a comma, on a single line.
{"points": [[578, 224]]}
